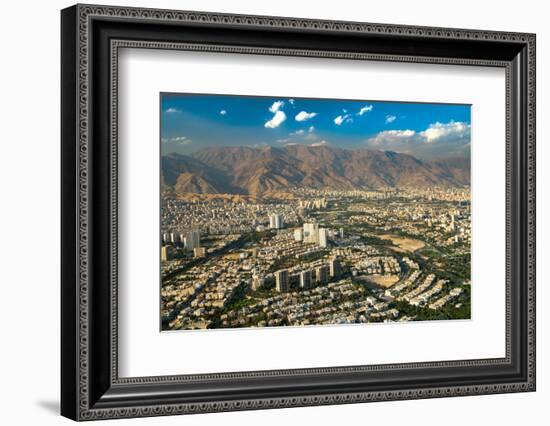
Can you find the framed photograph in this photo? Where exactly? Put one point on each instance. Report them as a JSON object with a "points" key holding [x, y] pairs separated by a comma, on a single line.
{"points": [[263, 212]]}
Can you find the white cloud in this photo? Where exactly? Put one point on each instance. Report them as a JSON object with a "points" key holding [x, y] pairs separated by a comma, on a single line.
{"points": [[291, 101], [366, 108], [303, 115], [439, 139], [283, 140], [453, 130], [276, 121], [223, 112], [321, 143], [338, 120], [341, 118], [259, 145], [278, 115], [301, 136], [390, 118], [277, 105], [171, 110], [456, 132], [387, 137], [305, 134], [181, 140]]}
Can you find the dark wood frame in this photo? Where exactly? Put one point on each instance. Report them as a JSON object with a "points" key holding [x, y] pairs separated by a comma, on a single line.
{"points": [[91, 37]]}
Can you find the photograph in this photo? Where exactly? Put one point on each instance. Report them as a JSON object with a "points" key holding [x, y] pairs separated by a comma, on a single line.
{"points": [[289, 211]]}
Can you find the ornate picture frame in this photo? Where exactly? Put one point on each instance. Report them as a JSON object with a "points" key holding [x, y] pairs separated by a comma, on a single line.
{"points": [[91, 37]]}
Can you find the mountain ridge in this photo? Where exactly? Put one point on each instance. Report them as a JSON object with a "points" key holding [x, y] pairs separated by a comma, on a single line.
{"points": [[257, 171]]}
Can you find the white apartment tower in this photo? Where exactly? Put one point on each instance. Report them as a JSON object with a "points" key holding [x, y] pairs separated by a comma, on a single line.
{"points": [[311, 233], [276, 221], [192, 240], [166, 253], [305, 279], [257, 281], [321, 274], [334, 266], [323, 237]]}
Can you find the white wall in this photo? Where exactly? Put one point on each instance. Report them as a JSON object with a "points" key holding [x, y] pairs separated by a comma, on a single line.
{"points": [[29, 168]]}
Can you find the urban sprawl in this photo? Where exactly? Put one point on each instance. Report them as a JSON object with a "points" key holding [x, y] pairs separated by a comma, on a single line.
{"points": [[316, 257]]}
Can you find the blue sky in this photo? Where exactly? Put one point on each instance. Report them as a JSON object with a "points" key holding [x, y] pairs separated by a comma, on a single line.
{"points": [[190, 122]]}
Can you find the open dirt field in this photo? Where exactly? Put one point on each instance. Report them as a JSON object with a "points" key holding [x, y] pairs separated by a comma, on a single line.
{"points": [[404, 244]]}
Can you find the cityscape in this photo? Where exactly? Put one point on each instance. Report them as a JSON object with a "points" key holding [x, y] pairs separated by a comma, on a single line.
{"points": [[303, 232]]}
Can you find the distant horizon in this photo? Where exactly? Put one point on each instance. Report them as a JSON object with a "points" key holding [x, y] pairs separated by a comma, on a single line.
{"points": [[192, 122], [258, 148]]}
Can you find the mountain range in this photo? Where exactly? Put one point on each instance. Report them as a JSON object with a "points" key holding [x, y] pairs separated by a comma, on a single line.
{"points": [[260, 171]]}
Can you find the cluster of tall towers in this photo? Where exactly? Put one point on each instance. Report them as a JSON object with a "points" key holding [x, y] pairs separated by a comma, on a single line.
{"points": [[307, 279], [190, 240], [311, 233]]}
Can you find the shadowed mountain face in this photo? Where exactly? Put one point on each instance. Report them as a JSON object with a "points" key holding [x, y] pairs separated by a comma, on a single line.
{"points": [[258, 171]]}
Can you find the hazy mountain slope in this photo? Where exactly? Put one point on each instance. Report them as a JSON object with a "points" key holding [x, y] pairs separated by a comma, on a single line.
{"points": [[457, 167], [186, 174]]}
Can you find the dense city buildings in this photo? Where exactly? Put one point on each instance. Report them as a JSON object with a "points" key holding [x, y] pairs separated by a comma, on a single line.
{"points": [[316, 256]]}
